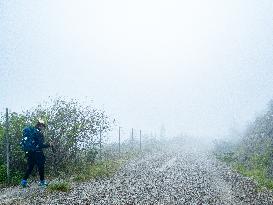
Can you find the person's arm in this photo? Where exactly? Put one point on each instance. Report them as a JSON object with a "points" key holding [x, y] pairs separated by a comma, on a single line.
{"points": [[44, 145], [41, 144]]}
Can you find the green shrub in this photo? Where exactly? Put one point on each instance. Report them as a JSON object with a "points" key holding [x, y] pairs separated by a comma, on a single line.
{"points": [[3, 173], [60, 186], [253, 153], [258, 174], [69, 125], [100, 170], [91, 156], [15, 176], [239, 168], [226, 157]]}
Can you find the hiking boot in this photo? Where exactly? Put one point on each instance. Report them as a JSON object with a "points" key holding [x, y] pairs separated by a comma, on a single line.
{"points": [[24, 183], [43, 183]]}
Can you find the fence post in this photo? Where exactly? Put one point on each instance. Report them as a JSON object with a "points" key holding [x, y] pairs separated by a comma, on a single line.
{"points": [[7, 145], [132, 140], [140, 140], [119, 140], [100, 141]]}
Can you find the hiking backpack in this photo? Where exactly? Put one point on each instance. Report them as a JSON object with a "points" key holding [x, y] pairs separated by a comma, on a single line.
{"points": [[27, 142]]}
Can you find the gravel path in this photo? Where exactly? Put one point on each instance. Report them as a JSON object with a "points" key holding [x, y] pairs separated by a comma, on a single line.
{"points": [[186, 176]]}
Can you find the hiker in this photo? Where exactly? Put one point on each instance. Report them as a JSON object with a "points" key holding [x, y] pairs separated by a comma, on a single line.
{"points": [[33, 145]]}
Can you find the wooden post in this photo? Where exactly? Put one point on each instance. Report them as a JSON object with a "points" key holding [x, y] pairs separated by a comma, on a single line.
{"points": [[119, 140], [140, 140], [100, 141], [132, 134], [7, 145], [132, 140]]}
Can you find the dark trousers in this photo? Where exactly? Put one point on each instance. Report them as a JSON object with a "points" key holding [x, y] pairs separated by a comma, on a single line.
{"points": [[37, 158]]}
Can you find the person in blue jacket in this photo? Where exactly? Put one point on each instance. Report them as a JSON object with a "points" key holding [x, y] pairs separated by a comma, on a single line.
{"points": [[36, 156]]}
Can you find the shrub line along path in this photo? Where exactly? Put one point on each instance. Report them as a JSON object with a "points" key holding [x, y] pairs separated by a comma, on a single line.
{"points": [[183, 176]]}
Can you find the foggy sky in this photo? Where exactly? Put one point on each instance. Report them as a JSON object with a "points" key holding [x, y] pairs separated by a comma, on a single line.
{"points": [[198, 67]]}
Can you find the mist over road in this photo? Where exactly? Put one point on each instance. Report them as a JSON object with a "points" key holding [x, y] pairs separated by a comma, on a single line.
{"points": [[173, 176]]}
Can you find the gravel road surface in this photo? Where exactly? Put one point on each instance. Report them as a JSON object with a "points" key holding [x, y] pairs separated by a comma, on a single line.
{"points": [[177, 176]]}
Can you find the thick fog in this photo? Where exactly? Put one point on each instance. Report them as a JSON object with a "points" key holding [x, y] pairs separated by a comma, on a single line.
{"points": [[196, 67]]}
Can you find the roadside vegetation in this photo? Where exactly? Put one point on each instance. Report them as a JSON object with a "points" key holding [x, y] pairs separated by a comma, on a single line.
{"points": [[74, 130], [59, 186], [252, 156], [77, 132]]}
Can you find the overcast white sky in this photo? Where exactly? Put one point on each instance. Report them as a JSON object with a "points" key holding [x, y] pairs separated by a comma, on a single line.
{"points": [[199, 67]]}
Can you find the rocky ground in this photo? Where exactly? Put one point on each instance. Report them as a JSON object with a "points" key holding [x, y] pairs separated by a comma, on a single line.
{"points": [[177, 176]]}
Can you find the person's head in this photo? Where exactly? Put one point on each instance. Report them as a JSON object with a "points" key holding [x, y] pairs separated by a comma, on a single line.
{"points": [[40, 124]]}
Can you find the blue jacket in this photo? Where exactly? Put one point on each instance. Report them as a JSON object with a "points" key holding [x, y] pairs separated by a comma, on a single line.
{"points": [[39, 140]]}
